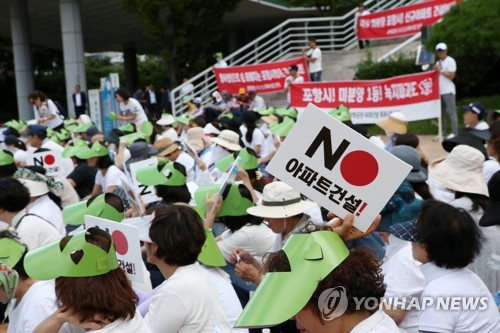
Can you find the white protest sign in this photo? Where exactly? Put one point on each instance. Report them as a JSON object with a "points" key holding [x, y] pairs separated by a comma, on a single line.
{"points": [[146, 192], [50, 160], [127, 244], [337, 167]]}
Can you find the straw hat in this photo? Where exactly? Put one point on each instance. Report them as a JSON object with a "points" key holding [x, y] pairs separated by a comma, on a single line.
{"points": [[228, 139], [395, 123], [165, 147], [280, 200], [461, 170], [197, 139]]}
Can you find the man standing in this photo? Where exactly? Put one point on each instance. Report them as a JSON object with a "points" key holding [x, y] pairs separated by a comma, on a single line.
{"points": [[313, 57], [80, 101], [152, 102], [447, 67], [294, 77], [362, 11], [219, 62]]}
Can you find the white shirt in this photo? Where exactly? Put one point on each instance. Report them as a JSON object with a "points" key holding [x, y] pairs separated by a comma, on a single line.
{"points": [[187, 89], [226, 295], [316, 65], [186, 303], [133, 106], [220, 64], [403, 278], [171, 133], [257, 138], [356, 17], [378, 322], [188, 163], [268, 146], [38, 303], [47, 209], [255, 239], [134, 325], [66, 164], [452, 283], [257, 103], [78, 99], [113, 177], [68, 193], [298, 79], [20, 156], [152, 97], [34, 231], [48, 108], [446, 86]]}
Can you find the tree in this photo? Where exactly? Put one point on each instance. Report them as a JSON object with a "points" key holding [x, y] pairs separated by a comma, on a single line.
{"points": [[470, 31], [184, 29], [326, 7]]}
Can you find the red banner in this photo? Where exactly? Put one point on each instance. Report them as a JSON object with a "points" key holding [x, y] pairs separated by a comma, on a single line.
{"points": [[416, 95], [402, 21], [268, 77]]}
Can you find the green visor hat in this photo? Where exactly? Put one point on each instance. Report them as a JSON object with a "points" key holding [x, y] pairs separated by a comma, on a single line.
{"points": [[96, 150], [72, 256], [6, 158], [50, 132], [130, 138], [233, 204], [83, 127], [266, 112], [72, 147], [56, 139], [248, 161], [341, 113], [63, 135], [74, 214], [283, 129], [184, 119], [69, 122], [11, 251], [291, 112], [281, 295], [127, 128], [147, 128], [168, 176]]}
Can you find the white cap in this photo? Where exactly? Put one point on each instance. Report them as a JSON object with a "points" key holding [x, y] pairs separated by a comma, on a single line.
{"points": [[441, 46]]}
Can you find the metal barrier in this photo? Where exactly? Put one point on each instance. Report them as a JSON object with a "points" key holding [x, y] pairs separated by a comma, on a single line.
{"points": [[331, 33]]}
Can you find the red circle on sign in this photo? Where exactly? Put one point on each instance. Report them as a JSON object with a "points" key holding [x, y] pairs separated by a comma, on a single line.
{"points": [[120, 241], [49, 159], [359, 168]]}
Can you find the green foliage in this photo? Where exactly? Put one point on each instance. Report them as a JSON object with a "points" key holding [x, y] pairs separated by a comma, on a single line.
{"points": [[184, 30], [400, 65], [470, 30]]}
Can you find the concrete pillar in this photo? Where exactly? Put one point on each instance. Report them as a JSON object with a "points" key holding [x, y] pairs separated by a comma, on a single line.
{"points": [[130, 66], [19, 25], [74, 58]]}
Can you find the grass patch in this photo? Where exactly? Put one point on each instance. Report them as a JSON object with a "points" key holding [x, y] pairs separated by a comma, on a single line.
{"points": [[430, 126]]}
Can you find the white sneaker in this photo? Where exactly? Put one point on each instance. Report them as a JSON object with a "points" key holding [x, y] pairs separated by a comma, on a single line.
{"points": [[437, 138], [450, 136]]}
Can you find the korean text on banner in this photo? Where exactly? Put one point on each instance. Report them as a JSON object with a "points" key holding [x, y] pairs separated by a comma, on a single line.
{"points": [[415, 95], [337, 167], [268, 77], [127, 244], [50, 160], [402, 21]]}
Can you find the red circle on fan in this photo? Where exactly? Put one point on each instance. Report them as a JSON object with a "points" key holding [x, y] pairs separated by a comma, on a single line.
{"points": [[49, 159], [121, 243], [359, 168]]}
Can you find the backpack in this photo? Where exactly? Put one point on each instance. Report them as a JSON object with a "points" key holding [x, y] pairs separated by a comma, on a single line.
{"points": [[62, 111]]}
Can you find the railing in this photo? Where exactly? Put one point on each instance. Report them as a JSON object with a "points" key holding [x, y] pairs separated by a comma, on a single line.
{"points": [[331, 33]]}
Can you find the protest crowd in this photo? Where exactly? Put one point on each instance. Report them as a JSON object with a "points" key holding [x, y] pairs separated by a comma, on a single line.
{"points": [[176, 224]]}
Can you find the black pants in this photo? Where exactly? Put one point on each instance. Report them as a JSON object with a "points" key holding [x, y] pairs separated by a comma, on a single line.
{"points": [[363, 43], [79, 110]]}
